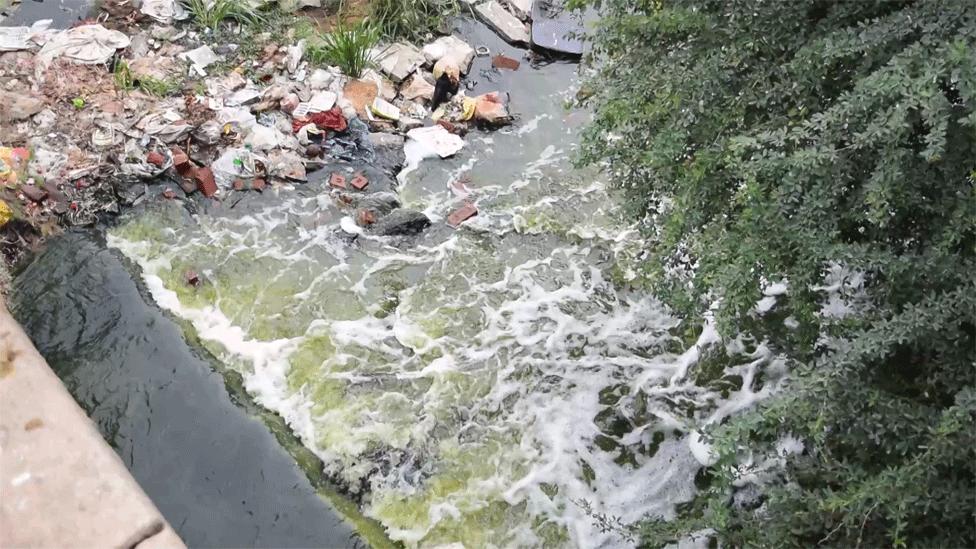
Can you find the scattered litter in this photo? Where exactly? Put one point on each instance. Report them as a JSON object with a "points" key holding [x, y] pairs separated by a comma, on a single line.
{"points": [[438, 140], [246, 96], [235, 163], [13, 164], [321, 101], [87, 44], [328, 120], [286, 164], [22, 38], [482, 51], [6, 214], [384, 109], [164, 11], [201, 58]]}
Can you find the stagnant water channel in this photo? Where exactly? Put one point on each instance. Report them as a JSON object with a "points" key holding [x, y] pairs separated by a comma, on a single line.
{"points": [[497, 385]]}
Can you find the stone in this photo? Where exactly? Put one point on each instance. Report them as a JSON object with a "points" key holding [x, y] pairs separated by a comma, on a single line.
{"points": [[386, 88], [521, 8], [18, 106], [387, 152], [502, 22], [418, 87], [320, 79], [380, 203], [505, 62], [407, 124], [289, 103], [401, 222], [360, 94], [558, 30], [398, 60], [452, 47], [462, 214]]}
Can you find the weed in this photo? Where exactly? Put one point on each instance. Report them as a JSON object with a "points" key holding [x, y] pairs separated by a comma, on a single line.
{"points": [[210, 14], [158, 88], [349, 48], [411, 19], [123, 76]]}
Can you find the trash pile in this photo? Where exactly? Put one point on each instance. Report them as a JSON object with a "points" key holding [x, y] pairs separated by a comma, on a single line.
{"points": [[91, 116]]}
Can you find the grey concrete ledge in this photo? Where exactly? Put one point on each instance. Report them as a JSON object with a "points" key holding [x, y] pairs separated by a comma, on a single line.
{"points": [[61, 485]]}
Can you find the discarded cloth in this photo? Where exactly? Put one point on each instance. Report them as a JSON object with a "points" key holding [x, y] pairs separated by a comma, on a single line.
{"points": [[331, 119], [87, 44]]}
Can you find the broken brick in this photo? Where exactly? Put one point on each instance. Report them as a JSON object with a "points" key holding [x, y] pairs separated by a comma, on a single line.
{"points": [[462, 214], [33, 192], [191, 278], [169, 194], [204, 178], [181, 161], [337, 180], [156, 159], [238, 185], [359, 182], [505, 62], [365, 217], [258, 184]]}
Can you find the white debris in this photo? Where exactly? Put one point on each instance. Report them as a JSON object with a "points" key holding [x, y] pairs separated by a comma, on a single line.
{"points": [[22, 38], [438, 140], [453, 47], [201, 58], [87, 44], [164, 11], [398, 60], [320, 102], [384, 109]]}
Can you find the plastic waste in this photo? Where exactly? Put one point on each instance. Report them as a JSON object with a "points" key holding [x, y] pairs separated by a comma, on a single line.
{"points": [[87, 44], [286, 164], [22, 38], [6, 214], [438, 140], [164, 11], [331, 119], [13, 164], [235, 163], [201, 58]]}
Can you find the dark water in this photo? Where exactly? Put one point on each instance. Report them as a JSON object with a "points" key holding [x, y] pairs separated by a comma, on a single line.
{"points": [[62, 13], [217, 473]]}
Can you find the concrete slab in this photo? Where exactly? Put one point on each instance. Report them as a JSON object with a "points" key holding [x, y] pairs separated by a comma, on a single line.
{"points": [[61, 485], [521, 8], [452, 47], [398, 60], [504, 23]]}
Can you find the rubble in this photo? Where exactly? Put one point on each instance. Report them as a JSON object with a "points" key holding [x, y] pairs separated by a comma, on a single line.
{"points": [[452, 47], [398, 60], [502, 22], [96, 133], [521, 8]]}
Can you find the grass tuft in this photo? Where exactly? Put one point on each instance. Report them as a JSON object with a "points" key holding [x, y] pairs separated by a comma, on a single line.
{"points": [[411, 19], [349, 48], [210, 13]]}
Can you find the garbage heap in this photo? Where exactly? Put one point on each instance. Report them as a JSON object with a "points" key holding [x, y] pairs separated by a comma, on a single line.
{"points": [[90, 115]]}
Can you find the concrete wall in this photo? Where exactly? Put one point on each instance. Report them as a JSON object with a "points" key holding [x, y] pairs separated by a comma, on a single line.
{"points": [[61, 485]]}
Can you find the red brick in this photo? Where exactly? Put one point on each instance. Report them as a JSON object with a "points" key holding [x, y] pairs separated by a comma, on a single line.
{"points": [[359, 182], [337, 180], [504, 62], [156, 159], [462, 214], [365, 217], [205, 181]]}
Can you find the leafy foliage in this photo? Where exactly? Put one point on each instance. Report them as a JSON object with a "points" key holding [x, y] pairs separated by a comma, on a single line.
{"points": [[767, 141], [211, 13], [410, 19], [349, 48]]}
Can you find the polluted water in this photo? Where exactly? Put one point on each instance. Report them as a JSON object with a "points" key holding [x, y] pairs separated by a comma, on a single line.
{"points": [[498, 384]]}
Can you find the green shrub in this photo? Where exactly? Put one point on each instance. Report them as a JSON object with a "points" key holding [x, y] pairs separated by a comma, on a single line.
{"points": [[349, 48], [764, 141]]}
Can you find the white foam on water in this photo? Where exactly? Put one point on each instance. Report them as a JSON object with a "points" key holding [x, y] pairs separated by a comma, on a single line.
{"points": [[492, 388]]}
